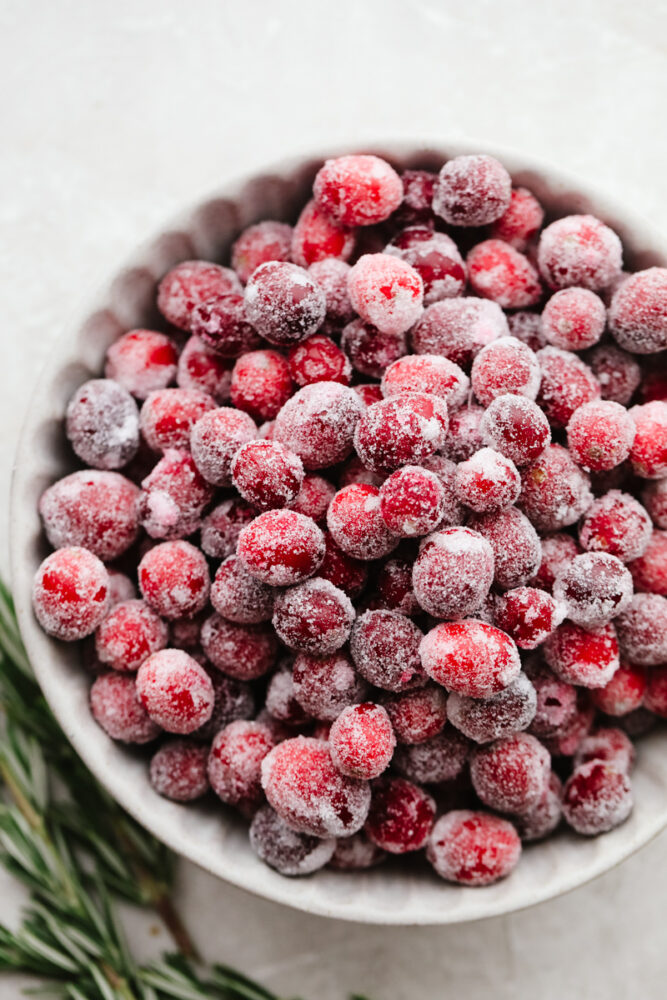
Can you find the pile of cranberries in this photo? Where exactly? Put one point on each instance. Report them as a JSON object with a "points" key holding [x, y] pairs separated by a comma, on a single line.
{"points": [[370, 538]]}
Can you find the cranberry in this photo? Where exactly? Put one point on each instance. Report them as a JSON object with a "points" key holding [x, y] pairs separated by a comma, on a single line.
{"points": [[354, 471], [472, 191], [418, 188], [261, 384], [345, 572], [168, 416], [370, 351], [618, 524], [510, 775], [260, 243], [244, 652], [557, 552], [174, 496], [238, 596], [637, 315], [318, 423], [555, 491], [543, 818], [417, 715], [499, 272], [356, 524], [121, 587], [178, 770], [307, 790], [567, 383], [266, 474], [201, 368], [94, 510], [528, 615], [222, 324], [515, 545], [453, 512], [648, 454], [436, 259], [516, 427], [393, 587], [488, 481], [623, 693], [175, 690], [190, 283], [486, 719], [459, 328], [281, 547], [174, 579], [654, 497], [221, 528], [313, 617], [401, 430], [600, 435], [617, 372], [385, 649], [142, 361], [522, 220], [464, 437], [282, 848], [117, 709], [314, 497], [102, 424], [574, 319], [318, 237], [386, 292], [473, 848], [642, 630], [70, 593], [595, 587], [362, 741], [331, 275], [283, 302], [655, 696], [357, 190], [427, 373], [526, 327], [505, 366], [579, 250], [129, 634], [281, 702], [401, 816], [470, 658], [235, 761], [435, 761], [556, 707], [453, 573], [649, 571], [609, 744], [356, 853], [325, 685], [597, 798], [587, 657], [412, 501], [319, 359]]}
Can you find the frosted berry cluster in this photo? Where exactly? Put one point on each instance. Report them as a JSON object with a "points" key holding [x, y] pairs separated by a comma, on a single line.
{"points": [[369, 539]]}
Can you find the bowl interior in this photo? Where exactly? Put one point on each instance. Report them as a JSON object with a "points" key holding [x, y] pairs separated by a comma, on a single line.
{"points": [[212, 836]]}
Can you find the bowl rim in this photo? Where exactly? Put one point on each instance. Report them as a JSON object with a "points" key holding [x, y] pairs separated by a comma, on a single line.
{"points": [[479, 905]]}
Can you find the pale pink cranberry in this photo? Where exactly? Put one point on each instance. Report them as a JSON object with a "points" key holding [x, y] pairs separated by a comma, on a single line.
{"points": [[412, 501], [357, 190], [458, 329], [268, 240], [177, 770], [282, 848], [385, 648], [261, 384], [655, 696], [586, 657], [600, 435], [439, 760], [607, 743], [168, 416], [574, 319], [453, 572], [543, 818], [617, 372], [522, 220], [356, 525], [579, 250], [618, 524], [525, 326], [567, 383], [417, 715], [221, 528], [386, 292], [238, 596], [401, 430], [319, 359], [556, 708], [435, 257], [516, 427], [190, 283], [331, 275], [638, 315], [319, 237], [654, 497], [116, 707], [470, 657], [594, 588], [597, 798], [174, 579], [142, 361], [281, 547], [235, 760], [362, 741], [497, 271], [243, 652], [121, 588], [102, 424], [648, 454], [174, 497], [129, 634], [558, 551], [488, 482], [473, 848], [356, 853], [401, 816], [515, 545], [370, 351], [427, 373], [201, 368], [510, 775], [505, 366], [91, 509], [281, 702], [472, 191], [642, 630], [528, 615], [283, 303], [175, 690], [70, 593], [313, 617], [325, 685], [318, 423]]}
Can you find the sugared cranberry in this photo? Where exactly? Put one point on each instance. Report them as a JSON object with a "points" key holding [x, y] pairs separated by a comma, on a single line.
{"points": [[282, 848], [488, 482], [586, 657], [215, 439], [522, 220], [174, 496], [638, 315], [386, 292], [313, 617], [648, 455], [516, 427], [464, 436], [318, 423], [385, 649], [574, 319], [319, 237], [511, 774], [331, 275], [175, 690], [427, 373], [642, 630], [370, 351], [201, 368], [345, 572], [543, 818], [117, 709], [94, 510], [473, 848], [527, 614], [222, 324], [654, 497], [617, 372], [453, 572], [618, 524], [102, 424], [281, 547], [168, 416], [266, 474], [356, 853], [594, 588], [244, 652], [314, 497], [281, 702], [459, 328], [525, 326], [356, 525], [439, 759], [555, 491], [401, 816], [324, 686], [191, 283], [283, 303], [470, 657], [362, 741], [393, 587], [649, 571], [435, 257], [556, 707], [260, 243], [515, 545], [417, 715], [505, 366], [567, 383], [623, 693], [579, 250], [412, 501], [261, 384], [233, 700], [357, 190], [319, 359], [142, 361], [178, 770], [303, 785], [600, 435], [557, 552], [70, 593], [472, 191], [129, 634], [607, 743], [401, 430], [597, 798], [221, 528], [655, 696], [235, 760], [487, 719], [417, 197], [174, 579], [121, 588], [498, 272], [238, 596]]}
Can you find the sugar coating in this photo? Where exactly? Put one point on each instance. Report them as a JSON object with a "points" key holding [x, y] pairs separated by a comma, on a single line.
{"points": [[356, 853], [638, 314], [655, 696], [386, 292], [96, 510], [555, 491], [516, 427], [557, 551], [597, 798], [514, 543], [510, 775], [331, 275], [522, 220], [70, 593], [525, 326], [318, 423], [393, 587], [618, 524], [574, 319], [142, 361], [174, 497], [325, 685], [188, 284], [595, 587], [116, 707], [497, 271], [506, 365], [649, 571], [528, 615], [313, 617], [221, 528], [385, 648], [174, 579], [267, 240], [314, 497], [542, 818], [362, 741], [459, 328], [223, 325], [471, 657], [199, 367], [102, 424], [401, 430], [319, 359], [318, 237], [282, 848], [453, 572], [244, 652], [129, 634], [233, 700], [617, 372], [266, 474], [168, 416], [178, 770], [642, 630], [261, 384], [464, 436], [215, 438], [358, 190], [624, 693], [579, 250], [433, 761], [567, 383], [121, 588], [235, 760], [453, 512], [607, 743], [281, 547], [306, 789], [401, 816], [370, 351], [564, 743], [283, 302], [600, 435], [412, 501], [281, 703], [473, 848], [417, 715], [586, 657], [355, 521], [654, 497], [175, 690], [436, 258], [240, 597], [486, 719], [427, 373], [472, 191], [488, 481], [648, 454], [556, 707]]}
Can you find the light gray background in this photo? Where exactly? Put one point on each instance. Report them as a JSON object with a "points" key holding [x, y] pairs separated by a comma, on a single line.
{"points": [[114, 114]]}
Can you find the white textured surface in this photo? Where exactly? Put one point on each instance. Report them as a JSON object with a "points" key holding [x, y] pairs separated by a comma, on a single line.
{"points": [[116, 114]]}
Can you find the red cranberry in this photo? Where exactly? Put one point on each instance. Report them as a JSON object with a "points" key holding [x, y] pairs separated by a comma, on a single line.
{"points": [[238, 596], [401, 816], [121, 587], [528, 615], [331, 275], [435, 761], [427, 373], [261, 384], [600, 435], [257, 244], [515, 545], [201, 368], [487, 719], [281, 547], [648, 455], [505, 366], [526, 327], [94, 510], [356, 853], [313, 617], [357, 190], [567, 383], [309, 792], [314, 497], [609, 744], [356, 524], [70, 594], [370, 351], [281, 702], [174, 579], [325, 685], [282, 848], [142, 361], [417, 715], [412, 501], [574, 319], [556, 707], [543, 818], [654, 497], [345, 572], [318, 237], [637, 315], [190, 283], [175, 690], [453, 512], [221, 528], [174, 496], [617, 524], [362, 741], [453, 572], [473, 848], [235, 761], [386, 292], [354, 472], [393, 587], [623, 693], [472, 191], [579, 250], [215, 440], [516, 427], [319, 359], [587, 657], [617, 372], [470, 657], [488, 481], [436, 259], [464, 437], [458, 329], [498, 272], [168, 416], [283, 303], [418, 188], [555, 491], [129, 634], [595, 587], [244, 652], [222, 325], [401, 430], [522, 220], [655, 696], [385, 649], [511, 774], [117, 709], [318, 423], [557, 552], [649, 571], [642, 630], [102, 424], [597, 798], [178, 770], [266, 474]]}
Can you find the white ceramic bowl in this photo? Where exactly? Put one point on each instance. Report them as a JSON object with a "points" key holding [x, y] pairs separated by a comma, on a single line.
{"points": [[212, 837]]}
